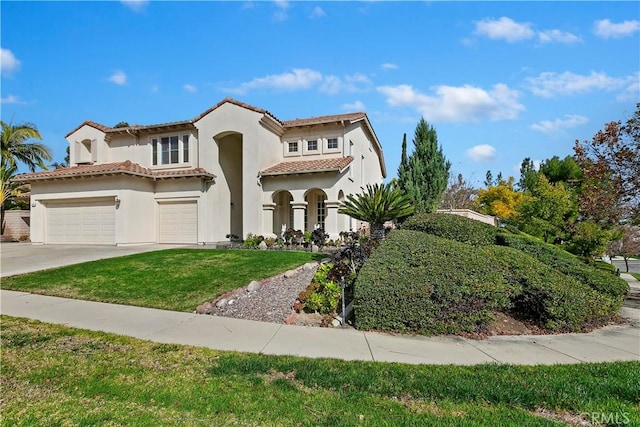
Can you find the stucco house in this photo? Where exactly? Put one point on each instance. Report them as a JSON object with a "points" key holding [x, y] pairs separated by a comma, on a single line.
{"points": [[234, 169]]}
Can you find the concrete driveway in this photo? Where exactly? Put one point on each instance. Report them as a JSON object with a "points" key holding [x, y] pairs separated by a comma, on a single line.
{"points": [[20, 258]]}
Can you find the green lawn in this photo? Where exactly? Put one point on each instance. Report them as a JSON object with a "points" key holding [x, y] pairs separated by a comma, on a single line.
{"points": [[636, 275], [175, 279], [55, 375]]}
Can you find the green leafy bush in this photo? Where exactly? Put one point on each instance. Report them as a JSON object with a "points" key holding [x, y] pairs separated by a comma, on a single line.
{"points": [[599, 280], [322, 295], [453, 227], [415, 282]]}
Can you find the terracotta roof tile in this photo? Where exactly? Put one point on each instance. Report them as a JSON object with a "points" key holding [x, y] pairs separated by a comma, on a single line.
{"points": [[323, 119], [308, 166], [126, 168]]}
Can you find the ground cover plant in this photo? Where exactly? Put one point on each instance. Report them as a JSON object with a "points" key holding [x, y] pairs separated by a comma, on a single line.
{"points": [[174, 279], [55, 375]]}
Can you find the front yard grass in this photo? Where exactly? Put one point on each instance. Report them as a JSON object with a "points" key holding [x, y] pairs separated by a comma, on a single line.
{"points": [[55, 375], [174, 279]]}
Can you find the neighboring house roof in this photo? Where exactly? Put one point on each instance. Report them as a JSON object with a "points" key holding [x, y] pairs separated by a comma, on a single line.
{"points": [[308, 166], [119, 168]]}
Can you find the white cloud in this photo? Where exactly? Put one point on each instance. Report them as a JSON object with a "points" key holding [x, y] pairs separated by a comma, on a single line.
{"points": [[607, 29], [119, 78], [550, 36], [389, 66], [298, 78], [504, 28], [481, 153], [631, 90], [8, 62], [549, 84], [12, 99], [352, 83], [569, 121], [281, 12], [355, 106], [457, 103], [135, 5], [190, 88], [317, 12]]}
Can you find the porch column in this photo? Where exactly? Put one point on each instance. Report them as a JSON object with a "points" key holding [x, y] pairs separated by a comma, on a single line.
{"points": [[267, 219], [299, 209], [331, 219]]}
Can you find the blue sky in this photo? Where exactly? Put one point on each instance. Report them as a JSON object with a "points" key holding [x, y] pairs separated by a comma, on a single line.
{"points": [[500, 81]]}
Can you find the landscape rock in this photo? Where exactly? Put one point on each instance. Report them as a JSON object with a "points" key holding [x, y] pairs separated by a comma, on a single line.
{"points": [[253, 286], [315, 248], [231, 302], [221, 303], [289, 274], [309, 266], [262, 246], [206, 308]]}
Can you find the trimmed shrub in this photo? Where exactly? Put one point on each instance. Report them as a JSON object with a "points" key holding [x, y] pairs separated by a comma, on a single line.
{"points": [[415, 282], [421, 283], [453, 227], [599, 280]]}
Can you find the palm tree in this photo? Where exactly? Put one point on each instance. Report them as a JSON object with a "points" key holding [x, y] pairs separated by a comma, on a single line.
{"points": [[9, 191], [377, 204], [15, 146]]}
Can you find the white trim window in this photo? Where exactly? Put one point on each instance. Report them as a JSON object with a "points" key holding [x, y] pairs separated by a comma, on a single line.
{"points": [[312, 145], [332, 143], [320, 210], [292, 147], [170, 150]]}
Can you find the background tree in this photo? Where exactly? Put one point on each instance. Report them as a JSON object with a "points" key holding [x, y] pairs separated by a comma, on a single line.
{"points": [[376, 205], [17, 148], [546, 210], [501, 200], [564, 170], [610, 187], [458, 195], [424, 174], [626, 244], [64, 163], [121, 125], [528, 175]]}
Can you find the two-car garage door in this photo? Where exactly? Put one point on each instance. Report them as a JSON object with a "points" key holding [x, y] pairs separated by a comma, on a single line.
{"points": [[93, 221], [88, 222]]}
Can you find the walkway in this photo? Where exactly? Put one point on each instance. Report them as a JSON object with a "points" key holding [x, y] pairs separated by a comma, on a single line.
{"points": [[608, 344]]}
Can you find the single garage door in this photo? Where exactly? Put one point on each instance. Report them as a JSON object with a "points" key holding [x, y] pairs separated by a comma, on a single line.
{"points": [[178, 222], [89, 222]]}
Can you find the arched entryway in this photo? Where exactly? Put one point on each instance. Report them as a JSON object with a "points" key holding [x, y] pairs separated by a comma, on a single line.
{"points": [[283, 212], [230, 158], [316, 212]]}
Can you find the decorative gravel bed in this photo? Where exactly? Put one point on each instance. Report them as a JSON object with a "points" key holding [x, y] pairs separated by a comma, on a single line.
{"points": [[270, 300]]}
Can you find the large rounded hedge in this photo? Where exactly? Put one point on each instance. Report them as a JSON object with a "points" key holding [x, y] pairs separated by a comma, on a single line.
{"points": [[417, 282], [452, 227]]}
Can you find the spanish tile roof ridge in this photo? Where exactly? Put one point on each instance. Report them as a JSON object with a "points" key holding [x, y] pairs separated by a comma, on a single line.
{"points": [[125, 167], [152, 126], [307, 166], [323, 119], [230, 100], [91, 123]]}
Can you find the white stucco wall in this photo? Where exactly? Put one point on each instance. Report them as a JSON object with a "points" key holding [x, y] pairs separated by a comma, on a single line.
{"points": [[86, 133]]}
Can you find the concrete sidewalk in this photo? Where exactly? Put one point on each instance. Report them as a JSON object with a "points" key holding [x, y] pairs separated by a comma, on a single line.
{"points": [[608, 344]]}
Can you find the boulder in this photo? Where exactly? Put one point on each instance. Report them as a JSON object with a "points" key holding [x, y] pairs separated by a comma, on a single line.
{"points": [[253, 286], [315, 248], [309, 266], [221, 303], [289, 274], [206, 308], [262, 246]]}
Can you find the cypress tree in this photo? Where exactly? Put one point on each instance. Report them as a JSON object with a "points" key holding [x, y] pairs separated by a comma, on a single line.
{"points": [[404, 163], [424, 174]]}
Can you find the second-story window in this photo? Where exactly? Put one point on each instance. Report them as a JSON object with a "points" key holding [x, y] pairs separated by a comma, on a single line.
{"points": [[312, 145], [293, 147], [332, 143], [170, 150]]}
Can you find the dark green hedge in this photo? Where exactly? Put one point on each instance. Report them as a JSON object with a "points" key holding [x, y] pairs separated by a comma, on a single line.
{"points": [[421, 283], [599, 280], [452, 227]]}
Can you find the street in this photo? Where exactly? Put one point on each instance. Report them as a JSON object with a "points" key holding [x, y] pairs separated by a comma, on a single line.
{"points": [[634, 265]]}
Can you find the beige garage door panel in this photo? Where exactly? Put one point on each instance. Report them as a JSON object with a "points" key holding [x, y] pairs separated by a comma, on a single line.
{"points": [[178, 222], [80, 222]]}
